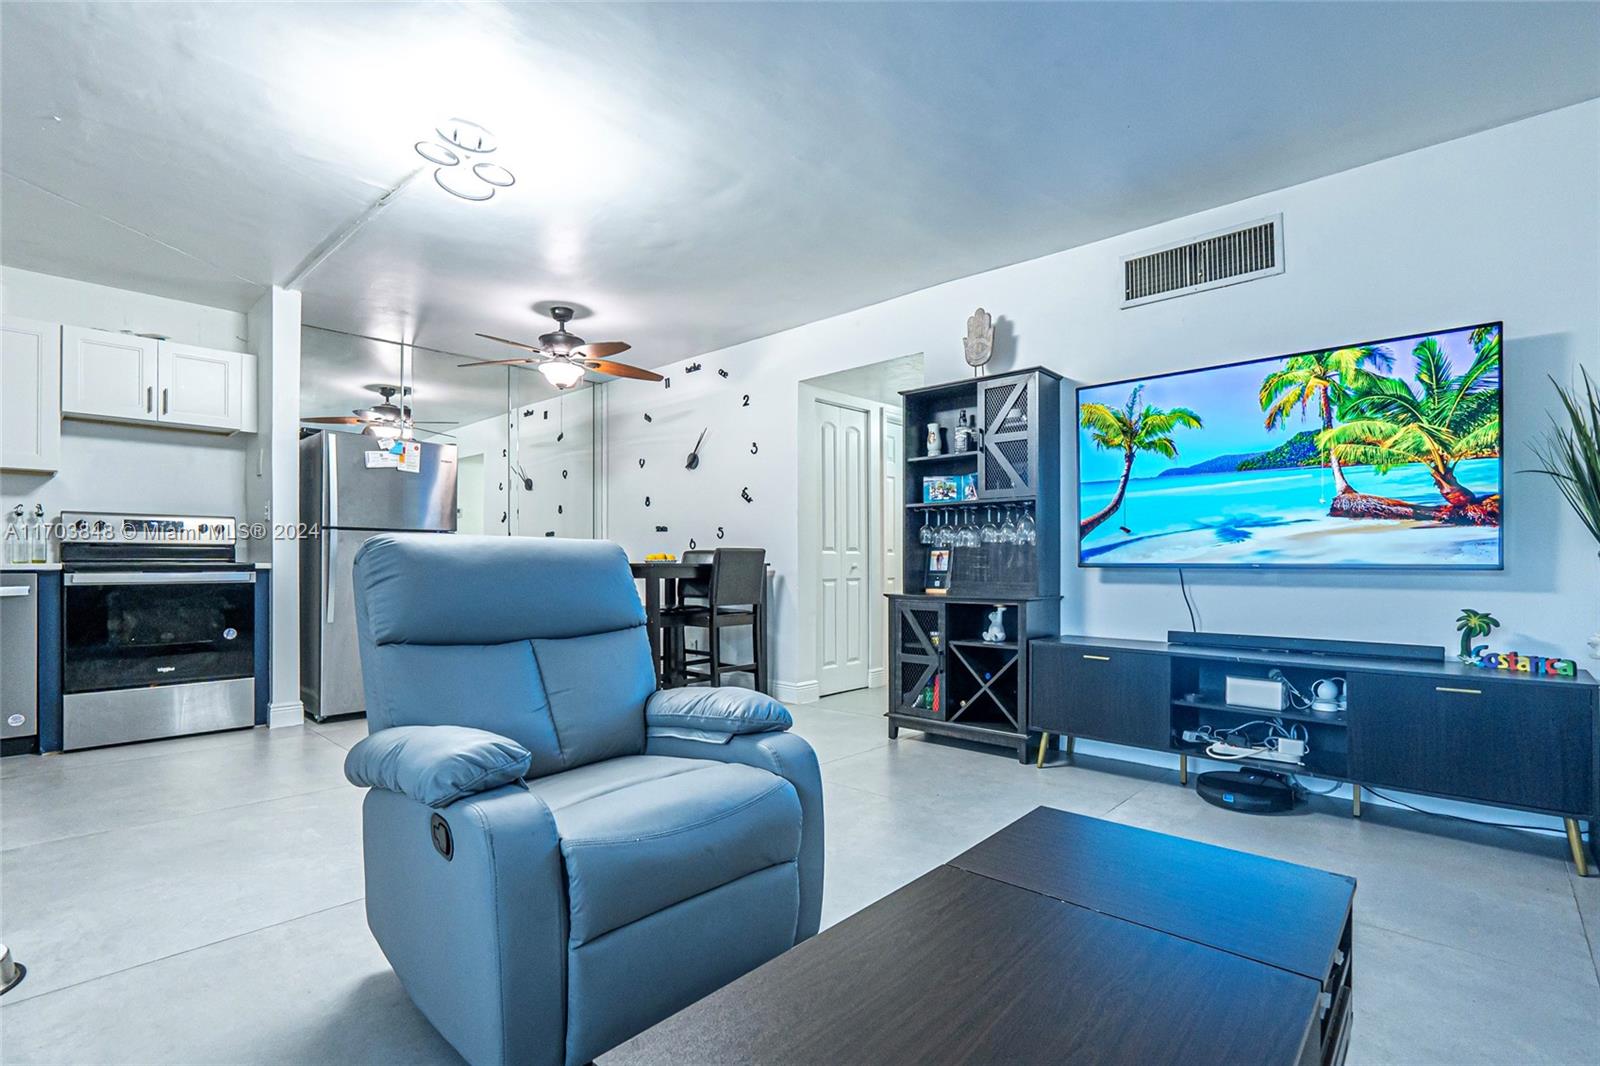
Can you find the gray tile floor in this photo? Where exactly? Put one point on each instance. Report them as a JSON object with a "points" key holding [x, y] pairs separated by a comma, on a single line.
{"points": [[199, 901]]}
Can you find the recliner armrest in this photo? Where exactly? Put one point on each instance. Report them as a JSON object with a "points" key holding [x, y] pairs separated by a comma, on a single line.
{"points": [[714, 715], [435, 764]]}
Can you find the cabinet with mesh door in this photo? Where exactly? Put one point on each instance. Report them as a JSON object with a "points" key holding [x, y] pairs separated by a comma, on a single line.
{"points": [[1009, 414]]}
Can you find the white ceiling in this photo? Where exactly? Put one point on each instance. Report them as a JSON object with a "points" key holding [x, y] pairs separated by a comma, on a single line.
{"points": [[702, 174]]}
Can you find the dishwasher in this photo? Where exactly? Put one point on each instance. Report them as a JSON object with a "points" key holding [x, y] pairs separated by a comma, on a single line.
{"points": [[19, 656]]}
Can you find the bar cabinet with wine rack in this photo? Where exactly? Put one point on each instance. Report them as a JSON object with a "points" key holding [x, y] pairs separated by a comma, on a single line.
{"points": [[982, 555]]}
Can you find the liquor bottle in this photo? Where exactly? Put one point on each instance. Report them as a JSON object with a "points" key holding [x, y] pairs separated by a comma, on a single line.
{"points": [[17, 550], [40, 540]]}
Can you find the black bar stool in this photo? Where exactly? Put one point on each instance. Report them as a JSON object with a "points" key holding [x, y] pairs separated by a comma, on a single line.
{"points": [[736, 596]]}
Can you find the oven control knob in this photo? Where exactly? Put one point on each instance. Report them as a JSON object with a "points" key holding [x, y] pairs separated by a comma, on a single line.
{"points": [[102, 529], [80, 527], [203, 528]]}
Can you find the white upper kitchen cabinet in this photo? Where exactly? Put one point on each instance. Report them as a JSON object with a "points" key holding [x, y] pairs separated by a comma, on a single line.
{"points": [[30, 395], [206, 388], [108, 376], [116, 377]]}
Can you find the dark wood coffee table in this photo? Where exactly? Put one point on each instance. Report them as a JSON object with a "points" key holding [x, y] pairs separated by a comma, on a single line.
{"points": [[1060, 938]]}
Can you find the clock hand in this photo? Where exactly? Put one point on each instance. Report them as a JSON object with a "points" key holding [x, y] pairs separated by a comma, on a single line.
{"points": [[694, 457]]}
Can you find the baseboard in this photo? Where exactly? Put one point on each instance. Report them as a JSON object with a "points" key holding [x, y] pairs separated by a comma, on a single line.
{"points": [[796, 691], [286, 714], [877, 677]]}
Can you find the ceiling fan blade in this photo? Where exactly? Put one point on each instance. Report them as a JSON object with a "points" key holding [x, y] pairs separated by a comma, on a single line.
{"points": [[600, 349], [621, 370], [500, 362], [514, 344], [432, 422], [337, 420]]}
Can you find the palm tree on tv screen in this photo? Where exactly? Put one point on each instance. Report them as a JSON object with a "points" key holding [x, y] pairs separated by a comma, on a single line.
{"points": [[1131, 429], [1325, 379], [1444, 419]]}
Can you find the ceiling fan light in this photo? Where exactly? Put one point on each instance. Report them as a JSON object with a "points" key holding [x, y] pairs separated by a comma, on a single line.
{"points": [[383, 431], [561, 373]]}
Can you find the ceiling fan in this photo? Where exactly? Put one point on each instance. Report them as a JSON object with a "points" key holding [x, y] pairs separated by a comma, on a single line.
{"points": [[563, 357], [386, 420]]}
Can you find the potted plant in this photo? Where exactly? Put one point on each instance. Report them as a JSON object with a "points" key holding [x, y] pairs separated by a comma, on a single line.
{"points": [[1570, 456]]}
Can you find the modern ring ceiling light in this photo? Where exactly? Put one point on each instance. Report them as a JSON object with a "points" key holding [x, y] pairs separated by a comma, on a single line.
{"points": [[386, 420], [458, 171], [563, 357]]}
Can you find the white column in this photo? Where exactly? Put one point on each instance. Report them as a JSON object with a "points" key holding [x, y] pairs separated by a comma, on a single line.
{"points": [[273, 495]]}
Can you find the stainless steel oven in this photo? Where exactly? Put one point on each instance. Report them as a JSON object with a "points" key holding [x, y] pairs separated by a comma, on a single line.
{"points": [[158, 629]]}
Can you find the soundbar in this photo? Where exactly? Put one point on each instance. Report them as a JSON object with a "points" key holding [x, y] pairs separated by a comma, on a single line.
{"points": [[1307, 646]]}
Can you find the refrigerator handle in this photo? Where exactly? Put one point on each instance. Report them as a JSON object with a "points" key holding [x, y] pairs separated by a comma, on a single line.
{"points": [[330, 544], [331, 457]]}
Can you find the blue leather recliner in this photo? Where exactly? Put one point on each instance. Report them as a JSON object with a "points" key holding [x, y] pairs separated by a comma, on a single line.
{"points": [[557, 855]]}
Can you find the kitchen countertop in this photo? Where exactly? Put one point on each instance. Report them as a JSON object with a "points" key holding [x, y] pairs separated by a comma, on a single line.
{"points": [[37, 568]]}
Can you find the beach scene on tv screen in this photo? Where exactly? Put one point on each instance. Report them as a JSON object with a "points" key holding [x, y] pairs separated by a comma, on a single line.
{"points": [[1383, 454]]}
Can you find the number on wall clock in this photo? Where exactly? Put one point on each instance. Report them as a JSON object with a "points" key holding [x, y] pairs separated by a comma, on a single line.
{"points": [[560, 509], [641, 464], [661, 529], [746, 400], [563, 475], [692, 544], [666, 383], [647, 501], [647, 417], [721, 373], [753, 448], [744, 494], [720, 533]]}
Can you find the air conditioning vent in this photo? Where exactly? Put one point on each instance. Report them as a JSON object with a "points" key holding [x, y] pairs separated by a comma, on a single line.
{"points": [[1243, 253]]}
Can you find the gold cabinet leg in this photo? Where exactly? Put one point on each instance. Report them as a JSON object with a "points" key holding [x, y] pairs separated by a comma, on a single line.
{"points": [[1355, 801], [1071, 742], [1044, 746], [1183, 768], [1575, 841]]}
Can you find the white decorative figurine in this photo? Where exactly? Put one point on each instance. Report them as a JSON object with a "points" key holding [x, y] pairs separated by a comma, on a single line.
{"points": [[996, 633]]}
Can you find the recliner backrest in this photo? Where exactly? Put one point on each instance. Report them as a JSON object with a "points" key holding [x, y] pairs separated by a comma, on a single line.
{"points": [[536, 639]]}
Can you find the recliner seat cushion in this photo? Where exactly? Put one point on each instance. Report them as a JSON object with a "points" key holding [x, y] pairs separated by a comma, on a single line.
{"points": [[642, 833]]}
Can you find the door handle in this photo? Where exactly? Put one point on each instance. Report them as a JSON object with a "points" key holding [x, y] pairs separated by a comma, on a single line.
{"points": [[13, 590], [1462, 691], [1098, 658], [164, 405], [150, 399]]}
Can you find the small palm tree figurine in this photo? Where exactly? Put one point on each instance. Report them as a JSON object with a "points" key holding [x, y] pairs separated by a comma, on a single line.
{"points": [[1474, 624]]}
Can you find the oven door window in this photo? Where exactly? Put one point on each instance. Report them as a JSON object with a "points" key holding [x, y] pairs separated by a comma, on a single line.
{"points": [[133, 636]]}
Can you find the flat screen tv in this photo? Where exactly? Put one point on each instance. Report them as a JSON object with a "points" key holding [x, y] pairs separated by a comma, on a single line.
{"points": [[1383, 454]]}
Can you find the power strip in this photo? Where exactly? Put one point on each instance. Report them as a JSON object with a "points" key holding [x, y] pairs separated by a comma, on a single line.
{"points": [[1292, 751]]}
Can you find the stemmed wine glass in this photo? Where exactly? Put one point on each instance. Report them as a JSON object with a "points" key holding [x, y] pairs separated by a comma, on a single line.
{"points": [[1027, 532], [1008, 529], [990, 534], [967, 534], [925, 534], [945, 535]]}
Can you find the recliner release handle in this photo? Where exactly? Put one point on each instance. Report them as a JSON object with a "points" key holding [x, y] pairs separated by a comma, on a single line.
{"points": [[440, 830]]}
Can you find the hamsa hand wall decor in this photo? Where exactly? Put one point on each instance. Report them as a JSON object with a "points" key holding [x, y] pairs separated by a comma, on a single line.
{"points": [[978, 344]]}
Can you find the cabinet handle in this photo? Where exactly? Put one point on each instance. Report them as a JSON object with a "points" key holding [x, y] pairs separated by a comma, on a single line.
{"points": [[1098, 658], [1463, 691], [164, 393], [150, 398]]}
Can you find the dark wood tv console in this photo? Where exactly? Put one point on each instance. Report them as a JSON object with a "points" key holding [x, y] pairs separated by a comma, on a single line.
{"points": [[1437, 727]]}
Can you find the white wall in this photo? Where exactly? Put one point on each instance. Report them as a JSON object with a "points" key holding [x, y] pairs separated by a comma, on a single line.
{"points": [[1503, 224], [132, 468]]}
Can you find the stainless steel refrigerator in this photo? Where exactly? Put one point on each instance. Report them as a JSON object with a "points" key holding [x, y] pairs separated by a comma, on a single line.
{"points": [[344, 502]]}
